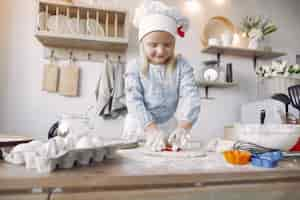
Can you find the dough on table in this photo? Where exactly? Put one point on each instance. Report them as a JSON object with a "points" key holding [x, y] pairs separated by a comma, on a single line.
{"points": [[185, 153]]}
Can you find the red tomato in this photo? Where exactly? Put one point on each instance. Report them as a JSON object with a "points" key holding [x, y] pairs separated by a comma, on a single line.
{"points": [[169, 148]]}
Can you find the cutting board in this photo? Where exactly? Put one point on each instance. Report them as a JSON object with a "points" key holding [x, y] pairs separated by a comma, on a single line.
{"points": [[50, 78], [69, 80], [12, 140]]}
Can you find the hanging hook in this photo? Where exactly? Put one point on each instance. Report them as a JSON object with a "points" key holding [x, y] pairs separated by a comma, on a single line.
{"points": [[52, 58], [52, 53], [71, 57], [89, 56]]}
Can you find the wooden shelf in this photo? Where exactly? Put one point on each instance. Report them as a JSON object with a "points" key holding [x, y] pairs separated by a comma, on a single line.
{"points": [[82, 41], [216, 84], [84, 6], [52, 17], [251, 53]]}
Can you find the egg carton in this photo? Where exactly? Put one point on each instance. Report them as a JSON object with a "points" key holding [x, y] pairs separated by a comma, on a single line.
{"points": [[76, 157]]}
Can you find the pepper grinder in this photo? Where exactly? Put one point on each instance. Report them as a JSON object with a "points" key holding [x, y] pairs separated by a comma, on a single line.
{"points": [[229, 72], [262, 116]]}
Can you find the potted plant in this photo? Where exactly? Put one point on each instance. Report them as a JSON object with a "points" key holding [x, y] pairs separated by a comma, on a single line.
{"points": [[256, 29], [277, 77]]}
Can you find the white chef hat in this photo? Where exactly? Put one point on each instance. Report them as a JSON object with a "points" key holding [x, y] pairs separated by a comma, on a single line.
{"points": [[156, 16]]}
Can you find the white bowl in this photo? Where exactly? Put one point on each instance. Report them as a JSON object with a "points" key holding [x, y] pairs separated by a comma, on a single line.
{"points": [[276, 136]]}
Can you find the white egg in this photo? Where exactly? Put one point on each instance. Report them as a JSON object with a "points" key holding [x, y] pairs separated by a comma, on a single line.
{"points": [[30, 160], [27, 147], [51, 149], [97, 141], [70, 143], [16, 158], [84, 142], [60, 143], [63, 129]]}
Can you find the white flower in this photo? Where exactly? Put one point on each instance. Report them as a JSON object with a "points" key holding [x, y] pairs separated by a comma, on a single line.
{"points": [[260, 70], [286, 74], [274, 73], [268, 74], [279, 66], [296, 67], [268, 68]]}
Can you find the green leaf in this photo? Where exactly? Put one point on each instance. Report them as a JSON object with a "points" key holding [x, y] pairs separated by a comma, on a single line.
{"points": [[291, 70]]}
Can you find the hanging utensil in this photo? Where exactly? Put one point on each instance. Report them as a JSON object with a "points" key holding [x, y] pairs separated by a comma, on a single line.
{"points": [[294, 94], [284, 99]]}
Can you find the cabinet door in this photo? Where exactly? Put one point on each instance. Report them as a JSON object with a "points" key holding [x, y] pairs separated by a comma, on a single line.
{"points": [[274, 191], [23, 196]]}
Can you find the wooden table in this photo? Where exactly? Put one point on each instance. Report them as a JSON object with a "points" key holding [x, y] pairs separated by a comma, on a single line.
{"points": [[132, 175]]}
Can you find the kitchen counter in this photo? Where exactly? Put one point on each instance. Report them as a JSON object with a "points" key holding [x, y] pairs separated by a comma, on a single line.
{"points": [[133, 175]]}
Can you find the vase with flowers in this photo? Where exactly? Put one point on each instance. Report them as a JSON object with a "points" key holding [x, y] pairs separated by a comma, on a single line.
{"points": [[256, 29], [276, 77]]}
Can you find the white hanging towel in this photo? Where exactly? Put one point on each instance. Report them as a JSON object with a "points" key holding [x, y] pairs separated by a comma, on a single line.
{"points": [[110, 90], [118, 103]]}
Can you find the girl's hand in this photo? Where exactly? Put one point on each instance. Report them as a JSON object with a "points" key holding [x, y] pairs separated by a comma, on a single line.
{"points": [[185, 124], [179, 138], [151, 127], [154, 139]]}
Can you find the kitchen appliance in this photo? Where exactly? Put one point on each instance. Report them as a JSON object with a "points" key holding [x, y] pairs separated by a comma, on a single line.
{"points": [[274, 109], [210, 71], [294, 94], [284, 99]]}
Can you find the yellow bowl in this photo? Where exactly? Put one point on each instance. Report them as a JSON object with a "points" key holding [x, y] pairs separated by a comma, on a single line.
{"points": [[237, 157]]}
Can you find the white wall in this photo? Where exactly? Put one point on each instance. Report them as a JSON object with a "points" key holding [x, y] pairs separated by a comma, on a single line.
{"points": [[25, 109]]}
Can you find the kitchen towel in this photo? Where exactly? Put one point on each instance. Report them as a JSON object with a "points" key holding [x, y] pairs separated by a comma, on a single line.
{"points": [[110, 92]]}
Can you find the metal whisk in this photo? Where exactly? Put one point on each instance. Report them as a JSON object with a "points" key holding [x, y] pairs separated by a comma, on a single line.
{"points": [[251, 147]]}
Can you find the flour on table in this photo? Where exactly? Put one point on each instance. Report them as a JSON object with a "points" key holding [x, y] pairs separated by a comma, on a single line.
{"points": [[188, 153]]}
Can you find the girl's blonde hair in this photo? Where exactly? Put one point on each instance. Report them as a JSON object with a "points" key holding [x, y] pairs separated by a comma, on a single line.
{"points": [[171, 65]]}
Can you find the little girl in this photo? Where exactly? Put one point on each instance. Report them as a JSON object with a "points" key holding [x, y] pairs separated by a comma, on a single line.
{"points": [[157, 80]]}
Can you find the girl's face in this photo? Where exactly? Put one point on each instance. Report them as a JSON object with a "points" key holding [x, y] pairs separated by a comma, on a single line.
{"points": [[159, 47]]}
